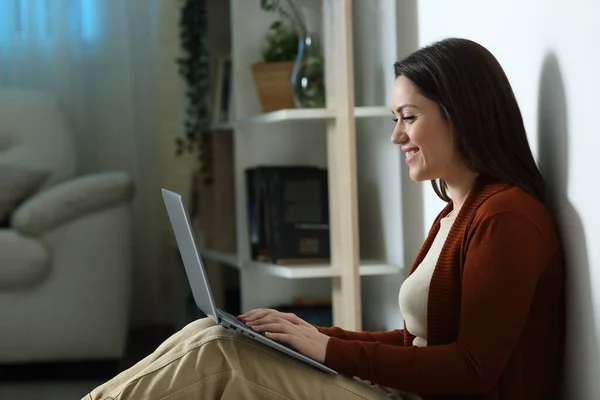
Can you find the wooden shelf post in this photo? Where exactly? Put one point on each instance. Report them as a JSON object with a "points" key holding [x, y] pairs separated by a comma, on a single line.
{"points": [[341, 154]]}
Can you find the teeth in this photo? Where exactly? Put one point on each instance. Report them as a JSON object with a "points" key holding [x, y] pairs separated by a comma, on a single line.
{"points": [[411, 153]]}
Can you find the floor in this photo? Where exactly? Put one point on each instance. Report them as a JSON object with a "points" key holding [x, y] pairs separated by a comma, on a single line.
{"points": [[141, 343]]}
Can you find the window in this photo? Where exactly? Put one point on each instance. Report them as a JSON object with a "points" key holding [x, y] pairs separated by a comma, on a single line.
{"points": [[40, 19]]}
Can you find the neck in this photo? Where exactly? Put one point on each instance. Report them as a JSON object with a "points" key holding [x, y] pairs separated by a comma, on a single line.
{"points": [[459, 188]]}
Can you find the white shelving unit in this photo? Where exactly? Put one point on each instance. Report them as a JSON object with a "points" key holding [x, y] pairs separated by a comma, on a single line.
{"points": [[313, 271], [299, 115], [230, 260], [350, 138], [306, 271], [288, 115]]}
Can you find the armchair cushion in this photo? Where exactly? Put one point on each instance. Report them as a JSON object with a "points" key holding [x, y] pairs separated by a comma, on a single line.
{"points": [[16, 184], [23, 261], [70, 200]]}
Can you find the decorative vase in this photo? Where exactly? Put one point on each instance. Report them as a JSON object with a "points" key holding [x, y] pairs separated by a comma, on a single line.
{"points": [[308, 75]]}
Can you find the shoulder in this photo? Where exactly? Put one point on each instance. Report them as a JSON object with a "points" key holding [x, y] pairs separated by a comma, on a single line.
{"points": [[517, 205]]}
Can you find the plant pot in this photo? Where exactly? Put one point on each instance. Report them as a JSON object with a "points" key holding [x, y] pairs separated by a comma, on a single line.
{"points": [[274, 85]]}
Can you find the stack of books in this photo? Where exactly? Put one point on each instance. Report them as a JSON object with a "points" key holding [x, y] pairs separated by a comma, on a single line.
{"points": [[288, 214]]}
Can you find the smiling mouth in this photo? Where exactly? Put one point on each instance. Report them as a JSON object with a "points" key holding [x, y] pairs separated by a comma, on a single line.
{"points": [[410, 153]]}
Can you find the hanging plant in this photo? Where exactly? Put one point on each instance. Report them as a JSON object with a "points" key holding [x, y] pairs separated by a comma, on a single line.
{"points": [[194, 69]]}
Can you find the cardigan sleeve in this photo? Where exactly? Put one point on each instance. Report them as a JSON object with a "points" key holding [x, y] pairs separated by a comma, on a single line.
{"points": [[394, 337], [505, 257]]}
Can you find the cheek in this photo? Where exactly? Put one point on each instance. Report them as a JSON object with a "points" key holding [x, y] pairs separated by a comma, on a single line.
{"points": [[444, 156], [437, 149], [448, 148]]}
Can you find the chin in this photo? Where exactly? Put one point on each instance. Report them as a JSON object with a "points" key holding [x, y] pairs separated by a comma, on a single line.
{"points": [[419, 176]]}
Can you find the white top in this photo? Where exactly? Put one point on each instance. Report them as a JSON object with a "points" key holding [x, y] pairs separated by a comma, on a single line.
{"points": [[415, 289]]}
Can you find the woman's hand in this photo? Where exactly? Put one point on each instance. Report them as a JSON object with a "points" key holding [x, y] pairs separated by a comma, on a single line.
{"points": [[289, 329], [261, 315]]}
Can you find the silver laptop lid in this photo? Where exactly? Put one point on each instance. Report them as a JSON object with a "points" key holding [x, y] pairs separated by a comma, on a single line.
{"points": [[189, 253]]}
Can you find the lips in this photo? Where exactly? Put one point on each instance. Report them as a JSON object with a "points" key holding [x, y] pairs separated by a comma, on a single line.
{"points": [[410, 153]]}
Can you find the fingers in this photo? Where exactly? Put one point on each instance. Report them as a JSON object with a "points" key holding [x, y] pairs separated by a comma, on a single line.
{"points": [[248, 314], [269, 318], [254, 314], [279, 326], [302, 322], [264, 315], [293, 318]]}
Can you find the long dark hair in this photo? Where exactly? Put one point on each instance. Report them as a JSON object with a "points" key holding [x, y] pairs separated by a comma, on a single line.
{"points": [[475, 97]]}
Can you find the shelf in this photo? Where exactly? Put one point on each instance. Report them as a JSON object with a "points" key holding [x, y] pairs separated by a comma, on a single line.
{"points": [[225, 258], [367, 268], [288, 115], [300, 114], [300, 271]]}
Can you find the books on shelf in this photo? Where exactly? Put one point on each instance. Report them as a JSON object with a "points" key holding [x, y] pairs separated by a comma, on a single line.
{"points": [[288, 214]]}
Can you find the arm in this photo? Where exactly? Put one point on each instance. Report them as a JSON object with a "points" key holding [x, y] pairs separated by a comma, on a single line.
{"points": [[491, 321], [395, 337], [261, 317], [70, 200]]}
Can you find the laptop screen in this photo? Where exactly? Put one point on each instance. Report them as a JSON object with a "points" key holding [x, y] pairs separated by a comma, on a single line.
{"points": [[189, 253]]}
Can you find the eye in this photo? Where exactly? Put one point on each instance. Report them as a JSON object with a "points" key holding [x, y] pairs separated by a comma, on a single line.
{"points": [[409, 119], [395, 120]]}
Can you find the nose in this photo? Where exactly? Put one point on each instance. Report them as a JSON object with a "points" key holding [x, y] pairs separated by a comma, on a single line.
{"points": [[399, 135]]}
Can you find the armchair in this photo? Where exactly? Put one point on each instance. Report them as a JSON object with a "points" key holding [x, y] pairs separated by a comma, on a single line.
{"points": [[65, 258]]}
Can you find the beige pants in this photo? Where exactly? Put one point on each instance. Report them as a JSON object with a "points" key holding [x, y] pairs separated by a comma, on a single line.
{"points": [[206, 361]]}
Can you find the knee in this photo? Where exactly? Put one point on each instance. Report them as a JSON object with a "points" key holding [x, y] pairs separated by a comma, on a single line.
{"points": [[200, 325], [205, 328]]}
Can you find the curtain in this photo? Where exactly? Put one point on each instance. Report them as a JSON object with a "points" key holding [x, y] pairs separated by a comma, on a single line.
{"points": [[91, 54], [98, 57]]}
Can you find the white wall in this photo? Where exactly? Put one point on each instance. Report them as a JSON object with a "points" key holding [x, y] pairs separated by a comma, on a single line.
{"points": [[549, 51]]}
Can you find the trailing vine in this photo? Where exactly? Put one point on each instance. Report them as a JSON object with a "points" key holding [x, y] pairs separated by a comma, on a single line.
{"points": [[194, 69]]}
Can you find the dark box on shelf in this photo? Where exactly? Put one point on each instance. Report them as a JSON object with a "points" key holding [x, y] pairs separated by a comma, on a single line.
{"points": [[288, 214]]}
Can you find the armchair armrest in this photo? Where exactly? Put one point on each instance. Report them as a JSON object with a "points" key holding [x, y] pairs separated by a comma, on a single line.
{"points": [[70, 200]]}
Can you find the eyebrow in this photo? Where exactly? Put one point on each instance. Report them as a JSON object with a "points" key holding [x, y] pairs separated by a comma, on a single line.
{"points": [[403, 106]]}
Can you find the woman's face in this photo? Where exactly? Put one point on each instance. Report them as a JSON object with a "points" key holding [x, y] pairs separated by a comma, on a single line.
{"points": [[423, 133]]}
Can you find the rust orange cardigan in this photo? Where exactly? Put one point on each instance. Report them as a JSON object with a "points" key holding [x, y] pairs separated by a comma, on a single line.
{"points": [[495, 319]]}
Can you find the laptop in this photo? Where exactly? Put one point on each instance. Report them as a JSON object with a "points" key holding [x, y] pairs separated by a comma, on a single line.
{"points": [[201, 288]]}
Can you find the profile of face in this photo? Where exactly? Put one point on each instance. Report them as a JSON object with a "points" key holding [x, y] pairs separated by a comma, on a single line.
{"points": [[423, 132]]}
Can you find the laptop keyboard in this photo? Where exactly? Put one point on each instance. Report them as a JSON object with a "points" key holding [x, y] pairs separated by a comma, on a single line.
{"points": [[237, 322], [234, 321], [232, 318]]}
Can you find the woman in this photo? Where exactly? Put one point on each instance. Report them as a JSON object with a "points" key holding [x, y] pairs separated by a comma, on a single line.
{"points": [[483, 305]]}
